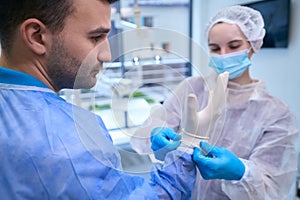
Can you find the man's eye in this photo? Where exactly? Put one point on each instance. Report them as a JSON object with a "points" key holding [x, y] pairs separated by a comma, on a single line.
{"points": [[97, 38]]}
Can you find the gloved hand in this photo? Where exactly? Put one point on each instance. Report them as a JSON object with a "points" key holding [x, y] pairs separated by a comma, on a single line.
{"points": [[198, 123], [219, 163], [164, 140]]}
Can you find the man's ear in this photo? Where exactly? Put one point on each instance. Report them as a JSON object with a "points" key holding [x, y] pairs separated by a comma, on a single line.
{"points": [[35, 35]]}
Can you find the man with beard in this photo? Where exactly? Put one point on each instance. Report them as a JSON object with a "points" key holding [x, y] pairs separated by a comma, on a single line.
{"points": [[50, 149]]}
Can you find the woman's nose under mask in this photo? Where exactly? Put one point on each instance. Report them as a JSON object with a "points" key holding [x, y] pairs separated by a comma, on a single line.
{"points": [[235, 63]]}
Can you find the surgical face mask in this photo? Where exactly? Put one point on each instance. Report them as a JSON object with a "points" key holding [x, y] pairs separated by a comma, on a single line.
{"points": [[234, 63]]}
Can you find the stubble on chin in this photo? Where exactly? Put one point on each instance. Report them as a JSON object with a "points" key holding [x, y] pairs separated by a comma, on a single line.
{"points": [[85, 78], [64, 69]]}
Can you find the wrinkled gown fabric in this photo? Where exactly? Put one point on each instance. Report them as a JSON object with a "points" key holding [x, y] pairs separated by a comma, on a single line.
{"points": [[50, 149], [258, 127]]}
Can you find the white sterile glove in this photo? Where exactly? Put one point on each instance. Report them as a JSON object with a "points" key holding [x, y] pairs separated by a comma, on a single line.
{"points": [[196, 124]]}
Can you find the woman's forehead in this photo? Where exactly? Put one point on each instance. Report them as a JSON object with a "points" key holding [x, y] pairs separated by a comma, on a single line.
{"points": [[221, 32]]}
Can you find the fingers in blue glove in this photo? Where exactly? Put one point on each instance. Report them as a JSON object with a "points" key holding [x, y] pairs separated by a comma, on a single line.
{"points": [[167, 132], [208, 149], [163, 140], [218, 163], [164, 137]]}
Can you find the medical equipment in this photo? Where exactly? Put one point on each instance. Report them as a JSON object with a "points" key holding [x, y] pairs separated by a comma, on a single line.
{"points": [[235, 63], [197, 125]]}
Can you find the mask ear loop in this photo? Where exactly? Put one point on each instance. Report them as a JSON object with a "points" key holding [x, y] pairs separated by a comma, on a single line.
{"points": [[250, 52], [250, 49]]}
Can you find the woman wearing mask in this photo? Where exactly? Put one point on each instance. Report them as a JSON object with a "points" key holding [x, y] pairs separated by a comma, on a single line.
{"points": [[255, 156]]}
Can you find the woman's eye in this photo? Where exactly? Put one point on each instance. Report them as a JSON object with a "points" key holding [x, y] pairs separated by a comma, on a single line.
{"points": [[234, 47], [214, 50]]}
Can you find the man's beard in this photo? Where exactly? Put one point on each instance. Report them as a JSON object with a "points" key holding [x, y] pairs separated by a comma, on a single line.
{"points": [[64, 70]]}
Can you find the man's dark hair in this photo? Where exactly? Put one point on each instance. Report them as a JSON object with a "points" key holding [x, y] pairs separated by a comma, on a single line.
{"points": [[14, 12]]}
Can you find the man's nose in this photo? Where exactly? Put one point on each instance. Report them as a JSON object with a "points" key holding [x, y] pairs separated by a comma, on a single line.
{"points": [[104, 54]]}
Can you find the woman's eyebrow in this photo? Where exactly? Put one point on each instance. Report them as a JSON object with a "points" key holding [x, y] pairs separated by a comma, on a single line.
{"points": [[212, 44], [236, 41]]}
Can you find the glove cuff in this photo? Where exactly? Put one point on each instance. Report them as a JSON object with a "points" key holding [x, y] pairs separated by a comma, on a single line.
{"points": [[194, 135]]}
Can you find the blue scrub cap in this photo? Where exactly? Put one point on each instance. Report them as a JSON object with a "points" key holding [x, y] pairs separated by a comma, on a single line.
{"points": [[249, 20]]}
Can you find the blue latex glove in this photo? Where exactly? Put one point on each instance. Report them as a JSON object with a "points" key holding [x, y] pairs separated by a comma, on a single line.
{"points": [[219, 163], [163, 141]]}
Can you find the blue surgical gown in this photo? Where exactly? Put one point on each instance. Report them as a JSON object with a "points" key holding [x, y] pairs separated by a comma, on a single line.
{"points": [[258, 127], [50, 149]]}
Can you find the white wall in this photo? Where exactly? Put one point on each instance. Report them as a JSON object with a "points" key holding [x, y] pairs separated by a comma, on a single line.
{"points": [[171, 26], [280, 68], [173, 18]]}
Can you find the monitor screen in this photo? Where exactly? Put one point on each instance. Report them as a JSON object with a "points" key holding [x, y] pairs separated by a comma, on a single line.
{"points": [[276, 17]]}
